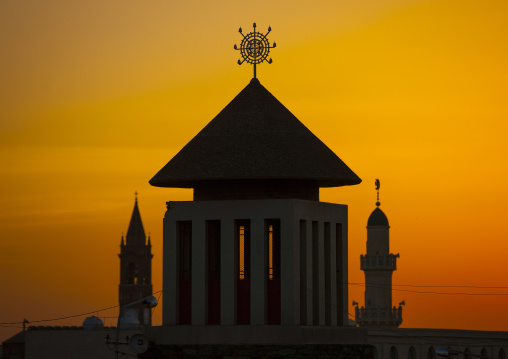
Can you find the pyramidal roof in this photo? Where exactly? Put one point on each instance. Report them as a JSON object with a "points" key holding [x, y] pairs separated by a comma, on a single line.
{"points": [[136, 232], [255, 137]]}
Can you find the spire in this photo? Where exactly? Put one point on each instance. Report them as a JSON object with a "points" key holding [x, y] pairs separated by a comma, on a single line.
{"points": [[136, 232], [377, 217], [378, 184]]}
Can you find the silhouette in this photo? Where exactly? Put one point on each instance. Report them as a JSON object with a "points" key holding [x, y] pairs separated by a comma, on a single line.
{"points": [[135, 270]]}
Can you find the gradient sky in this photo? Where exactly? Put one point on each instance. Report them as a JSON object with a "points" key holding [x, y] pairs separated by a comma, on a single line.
{"points": [[96, 96]]}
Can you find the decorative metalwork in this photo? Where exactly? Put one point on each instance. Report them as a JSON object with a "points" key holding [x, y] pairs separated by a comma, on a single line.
{"points": [[255, 48]]}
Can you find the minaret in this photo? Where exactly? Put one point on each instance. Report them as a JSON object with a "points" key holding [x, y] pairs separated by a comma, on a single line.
{"points": [[378, 265], [135, 270]]}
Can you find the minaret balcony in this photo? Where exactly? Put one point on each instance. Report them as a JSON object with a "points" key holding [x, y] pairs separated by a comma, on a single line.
{"points": [[378, 316], [379, 262]]}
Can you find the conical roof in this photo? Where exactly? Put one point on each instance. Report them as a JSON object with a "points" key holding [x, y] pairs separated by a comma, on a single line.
{"points": [[136, 232], [255, 138]]}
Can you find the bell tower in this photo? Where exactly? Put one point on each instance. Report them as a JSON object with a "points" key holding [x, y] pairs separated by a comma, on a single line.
{"points": [[135, 270], [378, 265], [256, 246]]}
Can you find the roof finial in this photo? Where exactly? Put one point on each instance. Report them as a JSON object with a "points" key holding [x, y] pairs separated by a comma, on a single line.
{"points": [[255, 48], [136, 195], [378, 184]]}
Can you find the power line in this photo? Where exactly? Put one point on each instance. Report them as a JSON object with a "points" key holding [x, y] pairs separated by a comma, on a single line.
{"points": [[431, 292], [68, 317], [441, 286], [10, 326]]}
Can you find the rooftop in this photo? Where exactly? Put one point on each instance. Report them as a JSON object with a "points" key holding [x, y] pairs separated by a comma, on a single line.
{"points": [[255, 138]]}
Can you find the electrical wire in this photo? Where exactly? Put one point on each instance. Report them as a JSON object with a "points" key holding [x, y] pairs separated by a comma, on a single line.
{"points": [[430, 292], [70, 316], [441, 286], [10, 326]]}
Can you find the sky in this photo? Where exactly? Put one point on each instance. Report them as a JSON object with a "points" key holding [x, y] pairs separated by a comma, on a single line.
{"points": [[96, 96]]}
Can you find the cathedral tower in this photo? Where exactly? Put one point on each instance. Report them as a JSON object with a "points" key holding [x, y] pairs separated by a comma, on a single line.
{"points": [[135, 270], [255, 257], [256, 246], [378, 265]]}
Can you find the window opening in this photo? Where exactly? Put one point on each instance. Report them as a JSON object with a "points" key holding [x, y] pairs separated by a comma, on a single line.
{"points": [[270, 252], [241, 259]]}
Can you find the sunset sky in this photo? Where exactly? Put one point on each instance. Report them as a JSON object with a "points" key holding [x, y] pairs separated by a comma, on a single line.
{"points": [[96, 96]]}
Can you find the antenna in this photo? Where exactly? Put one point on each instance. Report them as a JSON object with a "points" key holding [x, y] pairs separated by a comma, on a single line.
{"points": [[138, 343]]}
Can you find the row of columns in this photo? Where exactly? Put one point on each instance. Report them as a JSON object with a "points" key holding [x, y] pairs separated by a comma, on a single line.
{"points": [[309, 294]]}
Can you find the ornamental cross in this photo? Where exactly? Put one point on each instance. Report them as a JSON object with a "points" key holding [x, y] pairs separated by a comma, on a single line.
{"points": [[255, 48]]}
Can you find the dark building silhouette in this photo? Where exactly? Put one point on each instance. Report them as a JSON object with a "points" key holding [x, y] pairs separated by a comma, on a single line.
{"points": [[378, 265], [135, 271], [14, 347], [256, 258]]}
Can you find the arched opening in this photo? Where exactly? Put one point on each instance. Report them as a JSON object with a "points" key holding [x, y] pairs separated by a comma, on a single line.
{"points": [[411, 353], [431, 353], [467, 353], [394, 354], [132, 274], [502, 355], [484, 353]]}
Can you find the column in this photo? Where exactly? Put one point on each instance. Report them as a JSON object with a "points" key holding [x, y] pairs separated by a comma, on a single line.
{"points": [[310, 286], [257, 272], [199, 285], [290, 272], [227, 272], [321, 273], [334, 263], [170, 270]]}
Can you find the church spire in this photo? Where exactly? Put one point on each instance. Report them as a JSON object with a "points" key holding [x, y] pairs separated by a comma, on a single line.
{"points": [[136, 232], [135, 270]]}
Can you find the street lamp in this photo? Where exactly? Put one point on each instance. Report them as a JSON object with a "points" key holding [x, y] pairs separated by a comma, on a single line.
{"points": [[148, 302]]}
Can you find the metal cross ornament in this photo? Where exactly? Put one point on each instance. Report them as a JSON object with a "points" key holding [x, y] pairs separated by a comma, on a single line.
{"points": [[255, 48]]}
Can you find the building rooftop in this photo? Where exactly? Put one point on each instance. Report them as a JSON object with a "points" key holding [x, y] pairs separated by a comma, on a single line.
{"points": [[377, 218], [255, 138]]}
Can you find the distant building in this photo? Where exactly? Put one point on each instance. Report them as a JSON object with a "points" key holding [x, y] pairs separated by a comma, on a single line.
{"points": [[14, 347], [382, 319], [378, 264], [135, 272]]}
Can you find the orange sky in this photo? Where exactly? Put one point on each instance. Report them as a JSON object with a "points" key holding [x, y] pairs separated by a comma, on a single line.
{"points": [[95, 97]]}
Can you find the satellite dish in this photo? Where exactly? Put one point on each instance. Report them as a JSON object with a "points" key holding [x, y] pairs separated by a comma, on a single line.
{"points": [[138, 343]]}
